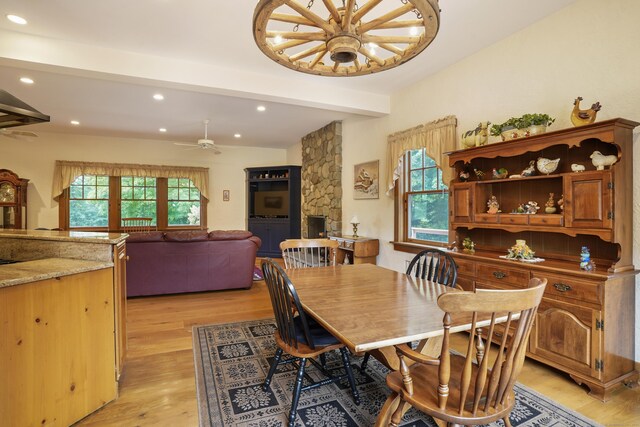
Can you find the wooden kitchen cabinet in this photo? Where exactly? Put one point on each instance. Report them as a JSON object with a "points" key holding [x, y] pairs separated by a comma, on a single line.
{"points": [[585, 322], [58, 349], [120, 307]]}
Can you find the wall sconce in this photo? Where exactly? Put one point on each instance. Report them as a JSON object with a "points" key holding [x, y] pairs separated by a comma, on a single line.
{"points": [[355, 222]]}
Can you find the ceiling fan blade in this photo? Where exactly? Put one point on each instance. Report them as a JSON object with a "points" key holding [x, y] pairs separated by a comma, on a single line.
{"points": [[24, 133], [186, 145]]}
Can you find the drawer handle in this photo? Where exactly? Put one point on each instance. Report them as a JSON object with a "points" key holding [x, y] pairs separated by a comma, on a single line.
{"points": [[499, 274], [561, 287]]}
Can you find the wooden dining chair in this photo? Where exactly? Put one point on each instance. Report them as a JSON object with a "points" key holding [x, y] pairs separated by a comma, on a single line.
{"points": [[301, 337], [138, 224], [469, 389], [434, 265], [302, 253]]}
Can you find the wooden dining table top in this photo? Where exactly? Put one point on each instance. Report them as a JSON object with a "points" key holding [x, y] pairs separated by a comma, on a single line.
{"points": [[370, 307]]}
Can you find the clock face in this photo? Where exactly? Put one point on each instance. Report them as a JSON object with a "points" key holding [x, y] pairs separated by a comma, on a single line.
{"points": [[7, 193]]}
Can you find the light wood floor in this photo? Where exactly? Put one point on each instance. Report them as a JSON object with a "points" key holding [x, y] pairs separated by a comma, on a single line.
{"points": [[158, 385]]}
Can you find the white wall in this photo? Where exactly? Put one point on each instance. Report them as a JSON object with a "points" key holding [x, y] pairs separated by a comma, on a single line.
{"points": [[35, 160], [588, 49]]}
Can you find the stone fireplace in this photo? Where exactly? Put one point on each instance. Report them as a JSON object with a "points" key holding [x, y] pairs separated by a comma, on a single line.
{"points": [[316, 226], [322, 178]]}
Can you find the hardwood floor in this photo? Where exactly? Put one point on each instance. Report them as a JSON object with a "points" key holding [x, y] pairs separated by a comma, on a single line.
{"points": [[158, 385]]}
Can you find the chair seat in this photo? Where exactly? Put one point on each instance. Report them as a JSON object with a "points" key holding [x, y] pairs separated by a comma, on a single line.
{"points": [[320, 336], [425, 396]]}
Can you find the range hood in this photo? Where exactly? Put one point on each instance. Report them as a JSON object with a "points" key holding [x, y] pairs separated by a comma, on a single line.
{"points": [[14, 112]]}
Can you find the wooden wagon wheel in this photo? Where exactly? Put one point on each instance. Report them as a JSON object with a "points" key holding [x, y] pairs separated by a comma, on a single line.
{"points": [[348, 39]]}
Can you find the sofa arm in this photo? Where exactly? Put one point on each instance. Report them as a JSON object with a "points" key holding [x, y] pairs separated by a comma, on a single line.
{"points": [[256, 240]]}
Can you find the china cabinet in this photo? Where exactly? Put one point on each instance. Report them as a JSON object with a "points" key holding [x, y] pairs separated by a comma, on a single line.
{"points": [[13, 200], [585, 323]]}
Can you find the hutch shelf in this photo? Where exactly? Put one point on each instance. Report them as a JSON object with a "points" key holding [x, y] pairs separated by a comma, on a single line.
{"points": [[585, 323]]}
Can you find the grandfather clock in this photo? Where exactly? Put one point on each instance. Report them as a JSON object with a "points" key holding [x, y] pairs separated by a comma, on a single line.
{"points": [[13, 200]]}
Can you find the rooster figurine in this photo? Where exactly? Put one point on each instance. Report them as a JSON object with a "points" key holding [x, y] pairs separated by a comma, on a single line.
{"points": [[584, 117]]}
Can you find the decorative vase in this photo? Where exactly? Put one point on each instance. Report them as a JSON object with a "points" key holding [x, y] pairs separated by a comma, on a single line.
{"points": [[509, 134]]}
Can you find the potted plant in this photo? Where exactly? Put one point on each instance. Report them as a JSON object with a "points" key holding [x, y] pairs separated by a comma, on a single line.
{"points": [[537, 122], [507, 130]]}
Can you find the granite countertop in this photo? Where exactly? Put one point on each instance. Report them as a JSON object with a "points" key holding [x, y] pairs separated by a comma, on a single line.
{"points": [[65, 236], [48, 268]]}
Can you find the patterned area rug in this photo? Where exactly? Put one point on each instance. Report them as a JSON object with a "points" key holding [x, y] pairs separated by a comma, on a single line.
{"points": [[232, 360]]}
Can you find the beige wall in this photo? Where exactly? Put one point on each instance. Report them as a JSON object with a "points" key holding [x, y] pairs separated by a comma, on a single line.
{"points": [[588, 49], [35, 160]]}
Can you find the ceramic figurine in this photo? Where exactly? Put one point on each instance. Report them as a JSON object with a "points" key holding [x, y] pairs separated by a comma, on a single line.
{"points": [[499, 173], [584, 117], [547, 166], [561, 202], [477, 137], [576, 167], [465, 173], [531, 207], [468, 246], [493, 205], [520, 251], [529, 170], [600, 161], [519, 210], [550, 205], [479, 173], [585, 259]]}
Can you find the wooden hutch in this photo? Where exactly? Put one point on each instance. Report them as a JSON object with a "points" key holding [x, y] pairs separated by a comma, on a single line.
{"points": [[585, 323]]}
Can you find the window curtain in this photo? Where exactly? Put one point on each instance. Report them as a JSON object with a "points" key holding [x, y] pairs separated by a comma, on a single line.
{"points": [[65, 172], [437, 138]]}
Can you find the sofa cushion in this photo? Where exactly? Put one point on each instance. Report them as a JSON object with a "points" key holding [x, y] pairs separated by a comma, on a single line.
{"points": [[151, 236], [229, 235], [186, 236]]}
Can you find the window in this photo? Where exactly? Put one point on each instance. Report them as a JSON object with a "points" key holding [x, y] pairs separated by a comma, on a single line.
{"points": [[138, 198], [89, 201], [426, 200], [100, 202], [184, 202]]}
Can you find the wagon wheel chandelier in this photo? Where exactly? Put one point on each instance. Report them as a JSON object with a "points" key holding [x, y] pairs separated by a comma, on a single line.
{"points": [[344, 37]]}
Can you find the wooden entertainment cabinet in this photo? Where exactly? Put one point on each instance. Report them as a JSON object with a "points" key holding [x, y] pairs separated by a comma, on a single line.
{"points": [[273, 206], [585, 323]]}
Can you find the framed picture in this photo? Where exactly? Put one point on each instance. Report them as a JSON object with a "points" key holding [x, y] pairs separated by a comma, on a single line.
{"points": [[366, 180], [225, 195]]}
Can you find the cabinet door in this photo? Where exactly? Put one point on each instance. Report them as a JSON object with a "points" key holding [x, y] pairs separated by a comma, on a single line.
{"points": [[462, 202], [588, 200], [566, 335]]}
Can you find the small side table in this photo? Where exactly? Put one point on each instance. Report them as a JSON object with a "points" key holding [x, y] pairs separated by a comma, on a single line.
{"points": [[358, 250]]}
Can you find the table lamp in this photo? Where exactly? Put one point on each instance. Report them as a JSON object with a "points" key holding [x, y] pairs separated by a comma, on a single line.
{"points": [[355, 222]]}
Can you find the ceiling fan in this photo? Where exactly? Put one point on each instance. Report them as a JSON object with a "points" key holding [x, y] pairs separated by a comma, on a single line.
{"points": [[17, 134], [205, 143]]}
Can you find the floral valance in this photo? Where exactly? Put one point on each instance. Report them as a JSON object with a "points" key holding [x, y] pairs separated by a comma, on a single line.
{"points": [[437, 138], [65, 172]]}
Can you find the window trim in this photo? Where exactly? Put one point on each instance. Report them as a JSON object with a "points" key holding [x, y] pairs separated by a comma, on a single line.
{"points": [[402, 242], [115, 220]]}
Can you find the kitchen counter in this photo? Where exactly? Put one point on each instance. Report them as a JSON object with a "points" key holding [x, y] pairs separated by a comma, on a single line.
{"points": [[65, 236], [48, 268]]}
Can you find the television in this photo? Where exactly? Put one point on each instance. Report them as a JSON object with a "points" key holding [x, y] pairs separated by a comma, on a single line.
{"points": [[271, 203]]}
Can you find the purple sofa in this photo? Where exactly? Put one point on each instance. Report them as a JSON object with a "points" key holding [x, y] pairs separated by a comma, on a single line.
{"points": [[190, 261]]}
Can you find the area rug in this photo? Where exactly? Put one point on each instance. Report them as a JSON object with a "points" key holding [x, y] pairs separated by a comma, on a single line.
{"points": [[232, 360]]}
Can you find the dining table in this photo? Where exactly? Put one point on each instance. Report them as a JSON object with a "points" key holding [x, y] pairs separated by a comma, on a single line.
{"points": [[371, 309]]}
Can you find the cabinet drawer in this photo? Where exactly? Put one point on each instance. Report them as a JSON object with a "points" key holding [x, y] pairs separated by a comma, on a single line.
{"points": [[486, 218], [503, 274], [562, 286], [466, 267], [514, 219], [545, 220]]}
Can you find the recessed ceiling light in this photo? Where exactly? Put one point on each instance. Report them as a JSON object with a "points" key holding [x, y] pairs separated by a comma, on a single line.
{"points": [[162, 129], [26, 80], [17, 19], [261, 108], [158, 97], [75, 122], [237, 135]]}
